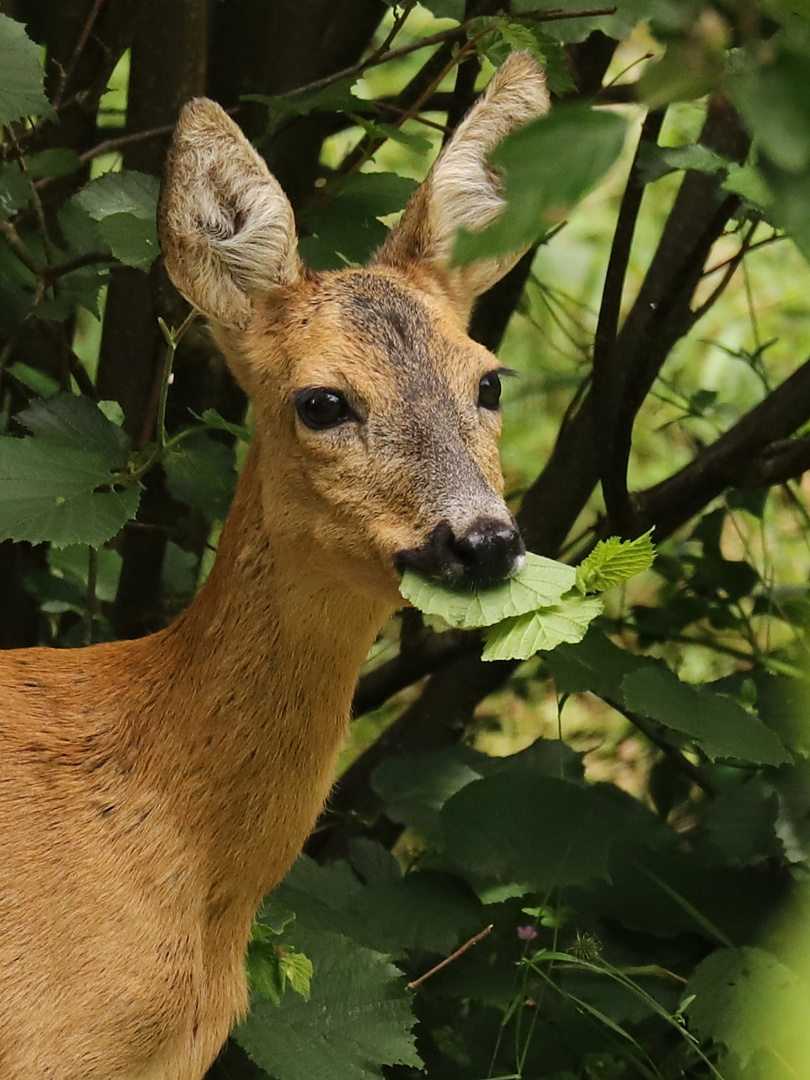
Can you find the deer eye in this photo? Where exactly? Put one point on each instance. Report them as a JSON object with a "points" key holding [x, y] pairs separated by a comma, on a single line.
{"points": [[320, 408], [489, 391]]}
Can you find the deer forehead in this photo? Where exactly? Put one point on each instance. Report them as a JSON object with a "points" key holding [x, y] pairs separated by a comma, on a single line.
{"points": [[364, 331]]}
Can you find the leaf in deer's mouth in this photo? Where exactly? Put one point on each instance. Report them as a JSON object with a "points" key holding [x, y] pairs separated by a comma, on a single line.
{"points": [[541, 606], [539, 583]]}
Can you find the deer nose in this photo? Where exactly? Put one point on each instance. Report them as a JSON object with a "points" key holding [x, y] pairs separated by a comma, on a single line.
{"points": [[483, 556]]}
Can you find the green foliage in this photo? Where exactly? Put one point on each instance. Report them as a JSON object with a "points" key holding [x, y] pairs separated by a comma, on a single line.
{"points": [[21, 91], [124, 205], [68, 483], [613, 562], [543, 180], [363, 1019]]}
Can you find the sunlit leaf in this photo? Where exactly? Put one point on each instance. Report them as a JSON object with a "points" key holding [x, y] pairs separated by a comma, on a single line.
{"points": [[539, 583], [521, 637], [614, 561]]}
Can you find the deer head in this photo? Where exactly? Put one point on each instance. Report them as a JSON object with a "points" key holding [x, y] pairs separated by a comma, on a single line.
{"points": [[376, 416]]}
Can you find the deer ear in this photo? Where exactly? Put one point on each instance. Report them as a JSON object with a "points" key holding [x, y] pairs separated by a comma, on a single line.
{"points": [[462, 190], [226, 228]]}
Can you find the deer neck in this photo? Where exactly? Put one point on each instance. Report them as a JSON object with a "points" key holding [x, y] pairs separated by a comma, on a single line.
{"points": [[263, 668]]}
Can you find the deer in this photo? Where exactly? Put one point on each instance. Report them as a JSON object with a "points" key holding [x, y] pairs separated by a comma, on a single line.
{"points": [[153, 791]]}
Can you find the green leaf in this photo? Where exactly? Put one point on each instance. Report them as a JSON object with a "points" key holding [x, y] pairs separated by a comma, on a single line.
{"points": [[753, 1004], [66, 483], [721, 727], [657, 161], [747, 182], [296, 969], [521, 637], [202, 473], [519, 825], [357, 1019], [132, 240], [379, 130], [58, 161], [127, 192], [15, 190], [51, 492], [505, 36], [21, 80], [73, 420], [539, 583], [594, 664], [336, 97], [544, 180], [614, 561], [348, 225], [414, 788], [264, 970], [423, 910], [212, 420]]}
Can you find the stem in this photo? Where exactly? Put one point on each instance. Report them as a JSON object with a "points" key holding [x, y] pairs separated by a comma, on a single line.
{"points": [[453, 956], [173, 339]]}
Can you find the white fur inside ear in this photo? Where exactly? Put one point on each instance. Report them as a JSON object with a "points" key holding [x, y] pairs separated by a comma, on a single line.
{"points": [[226, 227], [464, 188]]}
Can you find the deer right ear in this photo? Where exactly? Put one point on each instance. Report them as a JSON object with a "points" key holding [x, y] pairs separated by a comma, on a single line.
{"points": [[462, 190], [226, 228]]}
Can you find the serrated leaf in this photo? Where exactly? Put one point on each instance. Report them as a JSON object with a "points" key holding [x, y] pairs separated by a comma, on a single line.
{"points": [[539, 583], [51, 492], [614, 561], [201, 472], [543, 180], [15, 190], [521, 637], [72, 420], [132, 240], [427, 910], [751, 1002], [21, 78], [297, 969], [721, 727], [127, 192], [264, 970], [212, 420], [358, 1010]]}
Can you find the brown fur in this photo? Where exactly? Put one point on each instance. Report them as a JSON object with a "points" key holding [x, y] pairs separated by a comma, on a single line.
{"points": [[151, 792]]}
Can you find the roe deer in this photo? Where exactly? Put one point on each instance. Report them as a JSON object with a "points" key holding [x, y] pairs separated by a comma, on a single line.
{"points": [[153, 791]]}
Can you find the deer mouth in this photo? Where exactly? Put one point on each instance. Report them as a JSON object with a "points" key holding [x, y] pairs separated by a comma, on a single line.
{"points": [[483, 556]]}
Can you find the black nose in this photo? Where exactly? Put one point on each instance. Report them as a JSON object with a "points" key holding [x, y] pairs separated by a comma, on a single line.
{"points": [[483, 556]]}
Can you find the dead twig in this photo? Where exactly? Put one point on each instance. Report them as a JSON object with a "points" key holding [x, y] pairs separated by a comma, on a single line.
{"points": [[453, 956]]}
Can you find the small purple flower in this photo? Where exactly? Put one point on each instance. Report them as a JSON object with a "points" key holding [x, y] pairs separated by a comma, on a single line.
{"points": [[526, 933]]}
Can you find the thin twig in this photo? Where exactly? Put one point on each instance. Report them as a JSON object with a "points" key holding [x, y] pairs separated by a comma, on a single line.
{"points": [[77, 52], [456, 33], [454, 956]]}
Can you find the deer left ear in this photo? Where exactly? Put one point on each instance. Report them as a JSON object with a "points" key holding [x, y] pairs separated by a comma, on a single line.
{"points": [[226, 228], [462, 189]]}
